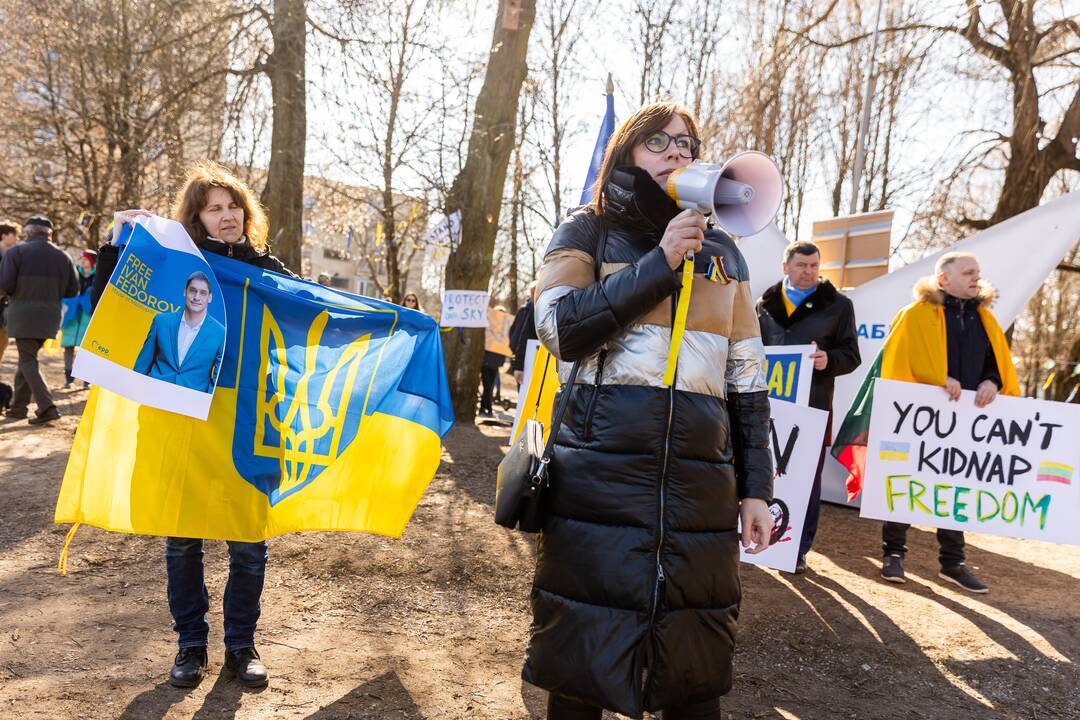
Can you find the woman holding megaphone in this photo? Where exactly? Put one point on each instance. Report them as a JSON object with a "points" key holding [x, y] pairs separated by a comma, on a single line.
{"points": [[663, 450]]}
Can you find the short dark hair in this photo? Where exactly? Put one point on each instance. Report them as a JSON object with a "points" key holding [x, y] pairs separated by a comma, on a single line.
{"points": [[199, 275], [7, 227], [801, 247]]}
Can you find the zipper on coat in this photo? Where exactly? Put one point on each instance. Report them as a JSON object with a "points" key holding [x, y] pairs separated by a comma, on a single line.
{"points": [[587, 433], [658, 588]]}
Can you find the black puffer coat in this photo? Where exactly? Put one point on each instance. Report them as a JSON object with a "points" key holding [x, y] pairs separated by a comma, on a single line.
{"points": [[826, 317], [636, 592]]}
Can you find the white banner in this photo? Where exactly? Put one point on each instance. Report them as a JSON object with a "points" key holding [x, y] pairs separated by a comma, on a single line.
{"points": [[763, 254], [464, 308], [796, 436], [1005, 469], [446, 232], [788, 371]]}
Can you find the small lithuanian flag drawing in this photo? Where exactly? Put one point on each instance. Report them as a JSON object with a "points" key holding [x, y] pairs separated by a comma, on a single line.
{"points": [[892, 450], [1055, 472]]}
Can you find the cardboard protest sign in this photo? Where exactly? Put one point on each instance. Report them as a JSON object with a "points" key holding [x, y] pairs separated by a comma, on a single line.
{"points": [[796, 435], [788, 372], [464, 308], [497, 337], [158, 334], [1006, 469]]}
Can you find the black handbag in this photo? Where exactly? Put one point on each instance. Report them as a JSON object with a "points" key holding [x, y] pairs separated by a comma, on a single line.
{"points": [[522, 477]]}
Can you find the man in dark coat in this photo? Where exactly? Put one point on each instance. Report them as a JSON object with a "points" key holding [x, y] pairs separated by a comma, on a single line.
{"points": [[36, 276], [522, 330], [801, 309]]}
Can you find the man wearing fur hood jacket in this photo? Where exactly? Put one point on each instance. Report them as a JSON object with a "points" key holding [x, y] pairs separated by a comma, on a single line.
{"points": [[947, 337]]}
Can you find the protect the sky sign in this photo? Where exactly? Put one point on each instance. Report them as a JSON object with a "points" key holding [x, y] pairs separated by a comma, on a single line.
{"points": [[1006, 469], [157, 335], [464, 308]]}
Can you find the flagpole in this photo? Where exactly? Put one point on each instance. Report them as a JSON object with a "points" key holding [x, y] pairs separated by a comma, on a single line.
{"points": [[864, 125]]}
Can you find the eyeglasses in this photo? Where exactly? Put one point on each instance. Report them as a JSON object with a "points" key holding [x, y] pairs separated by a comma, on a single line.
{"points": [[687, 145]]}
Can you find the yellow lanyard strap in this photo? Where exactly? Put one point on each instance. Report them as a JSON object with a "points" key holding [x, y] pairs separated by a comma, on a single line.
{"points": [[680, 319]]}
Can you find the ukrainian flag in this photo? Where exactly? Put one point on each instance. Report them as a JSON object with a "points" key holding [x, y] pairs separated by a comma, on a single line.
{"points": [[328, 415], [893, 450]]}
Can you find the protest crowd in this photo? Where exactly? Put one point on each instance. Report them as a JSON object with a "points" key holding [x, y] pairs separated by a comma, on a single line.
{"points": [[674, 391]]}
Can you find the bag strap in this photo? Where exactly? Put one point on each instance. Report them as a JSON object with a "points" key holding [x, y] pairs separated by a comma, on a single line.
{"points": [[564, 401]]}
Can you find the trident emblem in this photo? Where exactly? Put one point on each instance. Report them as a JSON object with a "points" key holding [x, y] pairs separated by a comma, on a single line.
{"points": [[307, 436]]}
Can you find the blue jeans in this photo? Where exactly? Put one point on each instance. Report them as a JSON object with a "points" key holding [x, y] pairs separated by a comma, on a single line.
{"points": [[189, 601]]}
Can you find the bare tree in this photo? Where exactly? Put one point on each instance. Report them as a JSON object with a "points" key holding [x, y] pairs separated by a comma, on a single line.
{"points": [[560, 32], [108, 119], [283, 194], [477, 191], [654, 25]]}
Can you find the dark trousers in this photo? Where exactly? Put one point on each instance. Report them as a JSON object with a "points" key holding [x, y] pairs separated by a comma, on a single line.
{"points": [[564, 708], [69, 361], [189, 601], [950, 543], [813, 509], [28, 380], [488, 377]]}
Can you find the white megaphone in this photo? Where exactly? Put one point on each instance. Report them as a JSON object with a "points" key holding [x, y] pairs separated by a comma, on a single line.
{"points": [[743, 195]]}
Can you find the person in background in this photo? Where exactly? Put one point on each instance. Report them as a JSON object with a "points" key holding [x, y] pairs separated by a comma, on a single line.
{"points": [[9, 235], [804, 309], [222, 216], [36, 275], [323, 279], [522, 330], [411, 301], [77, 314], [489, 379], [948, 337]]}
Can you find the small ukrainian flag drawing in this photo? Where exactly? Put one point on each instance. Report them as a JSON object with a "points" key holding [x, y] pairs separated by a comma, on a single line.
{"points": [[890, 450], [1055, 472]]}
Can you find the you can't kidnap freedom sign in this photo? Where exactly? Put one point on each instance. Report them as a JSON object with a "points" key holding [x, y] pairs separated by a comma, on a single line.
{"points": [[1009, 468]]}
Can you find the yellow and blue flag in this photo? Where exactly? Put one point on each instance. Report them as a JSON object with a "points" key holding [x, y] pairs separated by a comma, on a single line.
{"points": [[896, 451], [328, 415]]}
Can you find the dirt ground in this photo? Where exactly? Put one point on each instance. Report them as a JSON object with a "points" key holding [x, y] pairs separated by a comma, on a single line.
{"points": [[433, 625]]}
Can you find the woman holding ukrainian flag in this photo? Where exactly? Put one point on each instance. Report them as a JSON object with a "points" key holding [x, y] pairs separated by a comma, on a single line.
{"points": [[662, 453], [222, 216]]}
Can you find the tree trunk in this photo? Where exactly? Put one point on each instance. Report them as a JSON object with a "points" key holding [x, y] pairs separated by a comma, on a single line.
{"points": [[477, 190], [283, 195]]}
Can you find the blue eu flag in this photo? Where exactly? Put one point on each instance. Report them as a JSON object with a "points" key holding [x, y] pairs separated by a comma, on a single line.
{"points": [[607, 127]]}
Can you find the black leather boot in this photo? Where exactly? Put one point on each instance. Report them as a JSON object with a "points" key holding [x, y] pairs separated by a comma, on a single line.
{"points": [[247, 667], [189, 667]]}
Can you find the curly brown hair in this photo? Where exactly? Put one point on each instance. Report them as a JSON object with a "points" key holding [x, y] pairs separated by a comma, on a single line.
{"points": [[192, 198]]}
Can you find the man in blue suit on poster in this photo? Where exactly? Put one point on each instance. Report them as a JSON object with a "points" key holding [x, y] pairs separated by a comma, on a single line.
{"points": [[185, 348]]}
